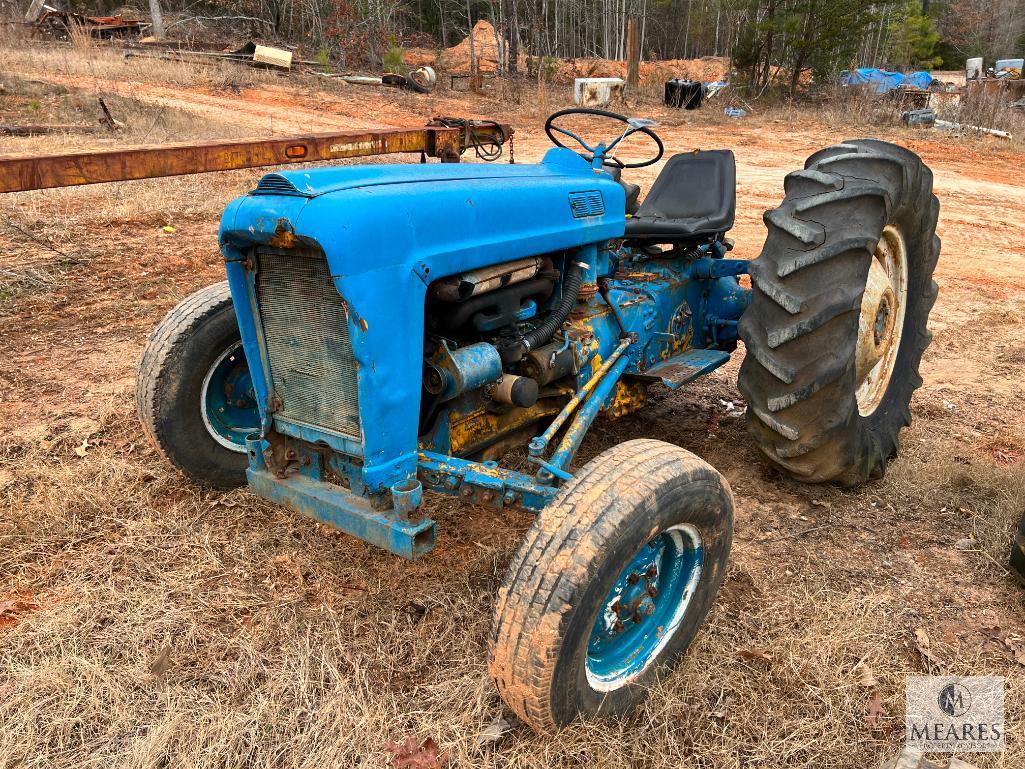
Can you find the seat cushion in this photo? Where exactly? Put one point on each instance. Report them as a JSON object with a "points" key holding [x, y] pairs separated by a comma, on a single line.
{"points": [[695, 196]]}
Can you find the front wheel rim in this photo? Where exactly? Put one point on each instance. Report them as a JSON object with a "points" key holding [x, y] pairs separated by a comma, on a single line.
{"points": [[881, 323], [644, 609], [228, 401]]}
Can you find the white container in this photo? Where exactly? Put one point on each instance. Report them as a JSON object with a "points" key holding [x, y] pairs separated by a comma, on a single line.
{"points": [[973, 69], [597, 91]]}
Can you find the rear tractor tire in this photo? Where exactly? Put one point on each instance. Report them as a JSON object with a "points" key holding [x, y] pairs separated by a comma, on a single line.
{"points": [[194, 394], [1017, 559], [611, 584], [837, 325]]}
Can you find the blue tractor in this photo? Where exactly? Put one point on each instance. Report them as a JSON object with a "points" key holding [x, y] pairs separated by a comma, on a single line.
{"points": [[390, 329]]}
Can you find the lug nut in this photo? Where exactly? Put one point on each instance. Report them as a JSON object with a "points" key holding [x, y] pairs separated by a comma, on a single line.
{"points": [[618, 626], [633, 579], [653, 591]]}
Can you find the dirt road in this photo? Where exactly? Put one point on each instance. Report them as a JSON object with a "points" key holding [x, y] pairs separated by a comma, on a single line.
{"points": [[144, 621]]}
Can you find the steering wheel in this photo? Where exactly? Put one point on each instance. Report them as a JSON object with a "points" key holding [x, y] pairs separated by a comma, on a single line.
{"points": [[634, 125]]}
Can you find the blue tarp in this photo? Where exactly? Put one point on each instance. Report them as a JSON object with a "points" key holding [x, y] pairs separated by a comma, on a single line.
{"points": [[881, 81]]}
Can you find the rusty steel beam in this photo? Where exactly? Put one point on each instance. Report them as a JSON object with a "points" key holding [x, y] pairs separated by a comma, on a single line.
{"points": [[19, 173]]}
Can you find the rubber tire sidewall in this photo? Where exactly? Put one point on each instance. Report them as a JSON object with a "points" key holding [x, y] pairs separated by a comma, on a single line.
{"points": [[180, 430], [697, 502]]}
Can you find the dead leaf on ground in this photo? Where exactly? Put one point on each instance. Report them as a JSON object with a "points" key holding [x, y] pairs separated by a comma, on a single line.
{"points": [[83, 449], [922, 643], [14, 606], [162, 663], [409, 755], [494, 732], [11, 608], [754, 653], [865, 675], [875, 710], [288, 564], [1017, 646]]}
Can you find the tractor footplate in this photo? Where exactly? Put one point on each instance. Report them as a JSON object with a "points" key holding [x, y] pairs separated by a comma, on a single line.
{"points": [[686, 367]]}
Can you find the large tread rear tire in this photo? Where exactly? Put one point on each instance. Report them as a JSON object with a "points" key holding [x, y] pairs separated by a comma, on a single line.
{"points": [[169, 388], [1017, 560], [570, 559], [801, 329]]}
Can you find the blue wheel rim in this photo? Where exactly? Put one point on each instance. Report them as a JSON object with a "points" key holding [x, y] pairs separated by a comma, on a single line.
{"points": [[645, 608], [228, 401]]}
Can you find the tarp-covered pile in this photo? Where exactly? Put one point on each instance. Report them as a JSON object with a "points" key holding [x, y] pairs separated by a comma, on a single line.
{"points": [[881, 81]]}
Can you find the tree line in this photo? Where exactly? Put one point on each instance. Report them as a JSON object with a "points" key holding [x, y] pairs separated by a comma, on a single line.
{"points": [[770, 41]]}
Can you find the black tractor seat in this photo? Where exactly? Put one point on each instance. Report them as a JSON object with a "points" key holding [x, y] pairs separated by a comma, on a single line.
{"points": [[694, 198]]}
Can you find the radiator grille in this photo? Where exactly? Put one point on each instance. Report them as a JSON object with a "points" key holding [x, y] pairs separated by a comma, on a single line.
{"points": [[312, 367], [588, 203]]}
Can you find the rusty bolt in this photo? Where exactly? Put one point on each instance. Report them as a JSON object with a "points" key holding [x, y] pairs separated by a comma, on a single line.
{"points": [[290, 454], [652, 571], [618, 626], [653, 591], [637, 617], [305, 461], [488, 495], [633, 579]]}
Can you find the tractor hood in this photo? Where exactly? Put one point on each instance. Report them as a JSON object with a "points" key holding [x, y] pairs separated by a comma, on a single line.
{"points": [[316, 182]]}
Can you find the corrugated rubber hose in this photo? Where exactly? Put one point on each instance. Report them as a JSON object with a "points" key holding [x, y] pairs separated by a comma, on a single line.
{"points": [[570, 291]]}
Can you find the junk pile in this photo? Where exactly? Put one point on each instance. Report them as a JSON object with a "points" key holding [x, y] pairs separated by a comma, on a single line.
{"points": [[419, 80], [57, 24]]}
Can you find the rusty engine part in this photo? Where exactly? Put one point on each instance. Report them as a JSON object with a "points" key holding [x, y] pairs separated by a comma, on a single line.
{"points": [[460, 287], [514, 390], [551, 362]]}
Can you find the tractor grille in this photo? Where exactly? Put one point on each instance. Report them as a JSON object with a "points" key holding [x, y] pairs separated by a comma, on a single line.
{"points": [[312, 367]]}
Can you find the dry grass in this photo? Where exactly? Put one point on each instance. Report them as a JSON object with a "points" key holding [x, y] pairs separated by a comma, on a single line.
{"points": [[163, 626]]}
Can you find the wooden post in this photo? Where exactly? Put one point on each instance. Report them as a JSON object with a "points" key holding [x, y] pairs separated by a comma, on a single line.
{"points": [[633, 54]]}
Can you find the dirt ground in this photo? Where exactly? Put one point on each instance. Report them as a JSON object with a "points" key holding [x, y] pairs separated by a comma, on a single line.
{"points": [[147, 623]]}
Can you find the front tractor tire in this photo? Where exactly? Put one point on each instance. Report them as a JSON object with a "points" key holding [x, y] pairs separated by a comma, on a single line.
{"points": [[610, 584], [194, 394], [837, 325]]}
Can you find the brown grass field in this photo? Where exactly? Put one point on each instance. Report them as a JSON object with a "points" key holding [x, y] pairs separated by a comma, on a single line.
{"points": [[147, 623]]}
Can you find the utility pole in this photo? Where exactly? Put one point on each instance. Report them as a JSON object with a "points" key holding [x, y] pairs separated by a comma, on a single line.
{"points": [[157, 17]]}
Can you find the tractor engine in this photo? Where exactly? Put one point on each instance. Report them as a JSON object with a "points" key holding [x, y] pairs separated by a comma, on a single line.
{"points": [[507, 345]]}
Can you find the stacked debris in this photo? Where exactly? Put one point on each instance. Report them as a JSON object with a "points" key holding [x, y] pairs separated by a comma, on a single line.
{"points": [[52, 22]]}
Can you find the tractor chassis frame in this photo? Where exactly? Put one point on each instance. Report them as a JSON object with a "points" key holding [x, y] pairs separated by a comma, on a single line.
{"points": [[310, 480]]}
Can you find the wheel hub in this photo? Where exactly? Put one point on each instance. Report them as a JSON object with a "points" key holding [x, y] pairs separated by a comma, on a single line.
{"points": [[228, 400], [882, 320], [644, 608]]}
